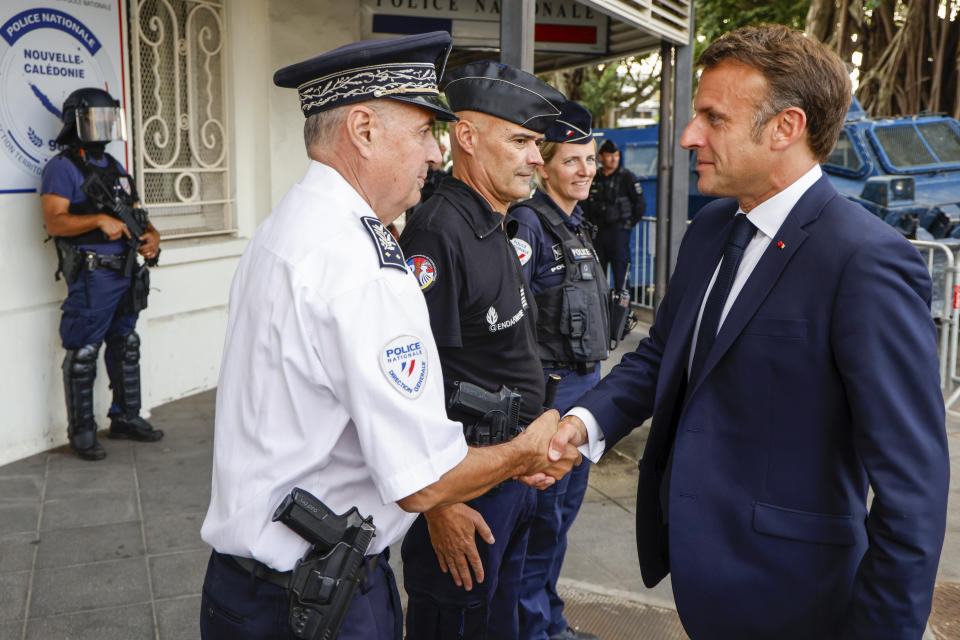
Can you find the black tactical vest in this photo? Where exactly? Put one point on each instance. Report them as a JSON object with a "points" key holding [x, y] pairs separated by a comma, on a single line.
{"points": [[111, 176], [572, 322]]}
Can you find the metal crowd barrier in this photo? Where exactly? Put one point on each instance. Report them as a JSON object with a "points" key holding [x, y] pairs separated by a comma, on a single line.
{"points": [[644, 250], [943, 262], [941, 259]]}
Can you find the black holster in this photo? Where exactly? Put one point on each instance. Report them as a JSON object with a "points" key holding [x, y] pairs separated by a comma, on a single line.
{"points": [[71, 261], [325, 580], [139, 289], [488, 418]]}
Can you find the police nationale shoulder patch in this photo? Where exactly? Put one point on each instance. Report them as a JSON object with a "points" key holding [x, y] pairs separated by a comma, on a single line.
{"points": [[523, 249], [388, 250], [423, 269], [404, 362]]}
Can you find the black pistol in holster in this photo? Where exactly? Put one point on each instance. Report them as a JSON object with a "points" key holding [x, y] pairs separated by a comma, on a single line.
{"points": [[135, 219], [488, 418], [324, 581]]}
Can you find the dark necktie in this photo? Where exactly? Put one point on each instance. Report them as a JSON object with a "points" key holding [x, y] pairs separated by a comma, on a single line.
{"points": [[737, 241]]}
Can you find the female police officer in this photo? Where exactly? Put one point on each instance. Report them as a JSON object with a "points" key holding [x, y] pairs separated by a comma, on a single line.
{"points": [[560, 263]]}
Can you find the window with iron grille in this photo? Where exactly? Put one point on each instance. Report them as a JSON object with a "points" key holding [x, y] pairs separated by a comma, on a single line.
{"points": [[181, 157]]}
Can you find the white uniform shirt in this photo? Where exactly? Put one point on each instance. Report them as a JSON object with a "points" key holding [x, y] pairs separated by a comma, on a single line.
{"points": [[330, 379]]}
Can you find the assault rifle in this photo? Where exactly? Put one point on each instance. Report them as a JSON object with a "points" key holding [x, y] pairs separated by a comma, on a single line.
{"points": [[135, 219]]}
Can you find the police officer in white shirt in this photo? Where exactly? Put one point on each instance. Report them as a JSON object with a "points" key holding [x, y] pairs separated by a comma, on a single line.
{"points": [[330, 379]]}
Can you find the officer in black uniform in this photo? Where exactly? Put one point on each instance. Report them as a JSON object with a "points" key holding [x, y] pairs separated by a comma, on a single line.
{"points": [[483, 318], [615, 206], [88, 202], [552, 241]]}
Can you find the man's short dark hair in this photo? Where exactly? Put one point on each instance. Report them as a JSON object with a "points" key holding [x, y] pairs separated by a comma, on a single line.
{"points": [[800, 72]]}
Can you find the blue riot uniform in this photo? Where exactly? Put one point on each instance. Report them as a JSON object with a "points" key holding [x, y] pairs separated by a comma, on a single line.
{"points": [[554, 257], [97, 305], [106, 290]]}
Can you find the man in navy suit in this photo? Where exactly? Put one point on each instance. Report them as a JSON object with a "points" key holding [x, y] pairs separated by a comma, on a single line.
{"points": [[791, 365]]}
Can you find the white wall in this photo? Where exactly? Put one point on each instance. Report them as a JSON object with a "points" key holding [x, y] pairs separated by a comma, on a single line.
{"points": [[182, 330], [300, 29]]}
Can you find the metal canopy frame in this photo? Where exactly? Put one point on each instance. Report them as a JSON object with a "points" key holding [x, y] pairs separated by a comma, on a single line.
{"points": [[636, 26]]}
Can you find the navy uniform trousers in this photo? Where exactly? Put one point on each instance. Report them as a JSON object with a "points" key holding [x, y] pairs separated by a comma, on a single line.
{"points": [[236, 605], [541, 609], [613, 248], [96, 311], [440, 610]]}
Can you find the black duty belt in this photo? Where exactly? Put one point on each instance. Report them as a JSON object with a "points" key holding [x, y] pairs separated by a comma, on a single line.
{"points": [[262, 571], [282, 578], [583, 368], [96, 260]]}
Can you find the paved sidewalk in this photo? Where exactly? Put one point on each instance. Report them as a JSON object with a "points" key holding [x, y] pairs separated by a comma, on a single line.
{"points": [[111, 550]]}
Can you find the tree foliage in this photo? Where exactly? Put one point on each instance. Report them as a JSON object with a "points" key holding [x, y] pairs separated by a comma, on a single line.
{"points": [[908, 52], [908, 49], [609, 89], [717, 17]]}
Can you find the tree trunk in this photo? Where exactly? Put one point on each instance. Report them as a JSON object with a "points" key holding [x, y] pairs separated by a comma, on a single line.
{"points": [[820, 22]]}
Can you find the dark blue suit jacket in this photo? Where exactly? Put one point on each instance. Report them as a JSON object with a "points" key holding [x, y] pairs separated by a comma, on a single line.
{"points": [[823, 380]]}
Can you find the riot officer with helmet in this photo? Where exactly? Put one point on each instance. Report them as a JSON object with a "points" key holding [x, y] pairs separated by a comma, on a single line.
{"points": [[90, 207]]}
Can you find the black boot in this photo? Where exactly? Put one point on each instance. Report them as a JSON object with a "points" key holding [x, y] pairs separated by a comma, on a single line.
{"points": [[79, 371], [124, 370]]}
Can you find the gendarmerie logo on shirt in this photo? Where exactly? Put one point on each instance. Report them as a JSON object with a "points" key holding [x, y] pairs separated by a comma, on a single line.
{"points": [[493, 316], [404, 363], [423, 269]]}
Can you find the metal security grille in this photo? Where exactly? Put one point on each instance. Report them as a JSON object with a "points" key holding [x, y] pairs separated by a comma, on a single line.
{"points": [[904, 146], [943, 139], [179, 80]]}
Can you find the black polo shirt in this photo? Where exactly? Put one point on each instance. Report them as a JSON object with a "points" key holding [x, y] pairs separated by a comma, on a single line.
{"points": [[482, 312]]}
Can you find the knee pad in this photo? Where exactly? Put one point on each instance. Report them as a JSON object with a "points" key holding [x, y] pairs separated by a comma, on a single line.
{"points": [[81, 364], [126, 348]]}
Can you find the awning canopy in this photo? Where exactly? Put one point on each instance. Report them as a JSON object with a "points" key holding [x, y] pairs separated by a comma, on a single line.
{"points": [[568, 33]]}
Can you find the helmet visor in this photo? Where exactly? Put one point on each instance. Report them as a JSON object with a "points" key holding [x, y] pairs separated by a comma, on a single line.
{"points": [[100, 124]]}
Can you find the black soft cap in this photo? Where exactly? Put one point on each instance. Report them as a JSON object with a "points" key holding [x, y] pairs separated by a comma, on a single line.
{"points": [[505, 92], [608, 146], [572, 125], [404, 69]]}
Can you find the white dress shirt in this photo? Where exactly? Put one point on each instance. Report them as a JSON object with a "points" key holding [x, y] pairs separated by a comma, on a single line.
{"points": [[767, 217], [312, 393]]}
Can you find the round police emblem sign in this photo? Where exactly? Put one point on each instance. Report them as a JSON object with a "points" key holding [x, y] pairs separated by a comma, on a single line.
{"points": [[45, 54], [404, 363], [523, 249], [423, 270]]}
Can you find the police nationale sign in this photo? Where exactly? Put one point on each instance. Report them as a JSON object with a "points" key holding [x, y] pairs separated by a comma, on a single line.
{"points": [[561, 25], [46, 52]]}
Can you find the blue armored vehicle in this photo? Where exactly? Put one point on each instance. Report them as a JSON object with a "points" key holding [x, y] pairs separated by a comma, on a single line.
{"points": [[905, 170]]}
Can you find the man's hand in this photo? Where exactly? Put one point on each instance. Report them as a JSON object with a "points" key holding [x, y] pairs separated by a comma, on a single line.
{"points": [[542, 471], [112, 227], [150, 243], [571, 433], [452, 533]]}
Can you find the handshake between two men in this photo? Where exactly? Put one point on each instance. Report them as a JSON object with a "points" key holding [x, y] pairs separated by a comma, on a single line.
{"points": [[535, 457], [529, 457]]}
